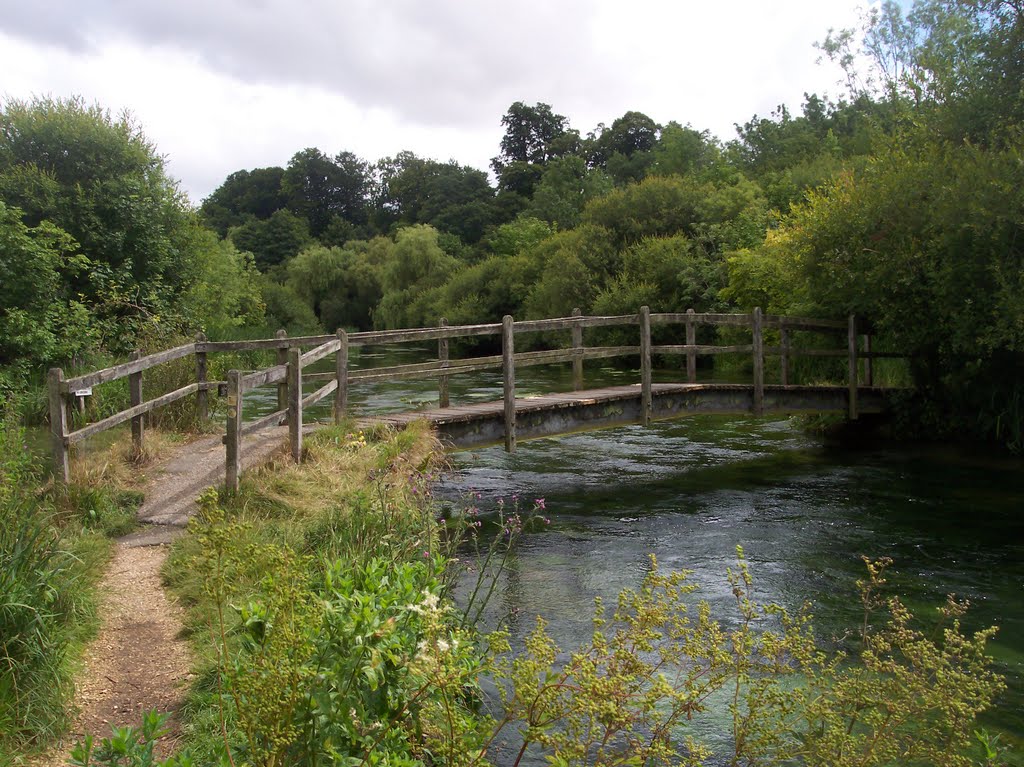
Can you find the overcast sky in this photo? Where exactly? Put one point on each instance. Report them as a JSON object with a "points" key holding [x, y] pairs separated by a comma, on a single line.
{"points": [[222, 85]]}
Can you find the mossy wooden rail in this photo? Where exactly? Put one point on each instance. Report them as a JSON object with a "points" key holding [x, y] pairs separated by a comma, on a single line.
{"points": [[289, 375]]}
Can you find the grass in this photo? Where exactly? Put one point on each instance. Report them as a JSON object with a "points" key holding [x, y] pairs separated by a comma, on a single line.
{"points": [[352, 499]]}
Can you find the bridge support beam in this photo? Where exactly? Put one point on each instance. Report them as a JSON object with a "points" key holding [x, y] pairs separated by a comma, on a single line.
{"points": [[646, 400], [757, 322], [577, 351], [508, 366], [341, 374], [852, 348], [59, 427], [202, 398], [295, 403], [443, 399], [135, 399], [233, 438]]}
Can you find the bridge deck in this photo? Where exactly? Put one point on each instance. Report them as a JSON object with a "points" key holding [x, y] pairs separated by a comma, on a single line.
{"points": [[480, 423]]}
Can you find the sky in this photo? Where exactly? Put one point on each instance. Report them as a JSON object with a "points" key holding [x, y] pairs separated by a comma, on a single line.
{"points": [[225, 85]]}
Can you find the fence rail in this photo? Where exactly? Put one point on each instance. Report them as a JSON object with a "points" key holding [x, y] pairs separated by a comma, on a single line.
{"points": [[289, 376]]}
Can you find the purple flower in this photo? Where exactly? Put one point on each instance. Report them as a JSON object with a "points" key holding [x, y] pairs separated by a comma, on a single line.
{"points": [[539, 503]]}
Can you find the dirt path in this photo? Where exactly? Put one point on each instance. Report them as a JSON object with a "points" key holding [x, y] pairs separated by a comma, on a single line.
{"points": [[139, 661]]}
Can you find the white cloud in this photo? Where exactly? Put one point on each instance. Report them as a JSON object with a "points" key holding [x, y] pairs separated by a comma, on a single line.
{"points": [[221, 85]]}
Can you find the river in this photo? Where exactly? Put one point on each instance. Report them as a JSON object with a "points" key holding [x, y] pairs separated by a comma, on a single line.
{"points": [[803, 509]]}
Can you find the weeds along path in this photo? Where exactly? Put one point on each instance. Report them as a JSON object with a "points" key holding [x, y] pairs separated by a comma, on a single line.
{"points": [[139, 661]]}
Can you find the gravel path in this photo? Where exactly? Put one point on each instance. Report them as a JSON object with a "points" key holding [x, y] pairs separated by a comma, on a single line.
{"points": [[139, 661]]}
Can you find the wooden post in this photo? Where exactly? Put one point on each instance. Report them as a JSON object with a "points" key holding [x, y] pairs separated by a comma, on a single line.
{"points": [[233, 437], [282, 359], [577, 352], [135, 398], [202, 400], [508, 367], [757, 327], [442, 355], [58, 427], [691, 353], [851, 343], [341, 373], [784, 355], [869, 368], [646, 402], [295, 403]]}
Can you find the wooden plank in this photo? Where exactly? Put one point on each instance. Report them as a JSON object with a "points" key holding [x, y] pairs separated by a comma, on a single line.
{"points": [[605, 321], [556, 323], [317, 354], [443, 394], [341, 377], [273, 419], [818, 352], [508, 367], [703, 349], [646, 401], [758, 352], [127, 368], [233, 435], [262, 377], [295, 404], [704, 318], [802, 323], [58, 426], [311, 399], [383, 337], [130, 413], [605, 352]]}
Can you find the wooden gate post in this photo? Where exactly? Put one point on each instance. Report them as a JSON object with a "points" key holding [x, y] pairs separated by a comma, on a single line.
{"points": [[233, 436], [295, 403], [202, 400], [508, 367], [784, 353], [58, 426], [442, 355], [869, 369], [577, 351], [646, 402], [757, 322], [691, 341], [851, 344], [282, 359], [341, 374], [135, 398]]}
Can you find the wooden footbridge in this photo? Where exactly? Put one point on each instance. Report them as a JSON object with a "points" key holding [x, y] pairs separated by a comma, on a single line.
{"points": [[512, 417]]}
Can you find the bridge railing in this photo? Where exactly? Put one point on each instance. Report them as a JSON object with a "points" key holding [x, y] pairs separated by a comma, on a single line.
{"points": [[289, 376]]}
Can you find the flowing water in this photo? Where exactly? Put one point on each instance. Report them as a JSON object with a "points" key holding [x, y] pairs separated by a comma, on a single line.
{"points": [[803, 509]]}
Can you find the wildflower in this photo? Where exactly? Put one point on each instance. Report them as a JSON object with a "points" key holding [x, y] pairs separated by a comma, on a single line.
{"points": [[539, 503]]}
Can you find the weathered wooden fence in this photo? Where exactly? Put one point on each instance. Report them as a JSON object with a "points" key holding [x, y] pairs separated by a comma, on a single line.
{"points": [[290, 378]]}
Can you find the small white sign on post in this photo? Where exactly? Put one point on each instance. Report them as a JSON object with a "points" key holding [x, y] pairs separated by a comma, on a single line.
{"points": [[87, 392]]}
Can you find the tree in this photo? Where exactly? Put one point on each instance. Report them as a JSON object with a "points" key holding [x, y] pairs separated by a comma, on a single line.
{"points": [[565, 187], [533, 136], [39, 320], [452, 198], [624, 149], [319, 188], [102, 182], [411, 270], [244, 194], [272, 241]]}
